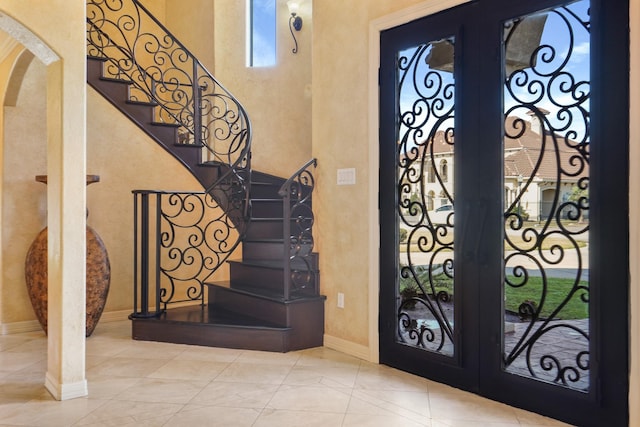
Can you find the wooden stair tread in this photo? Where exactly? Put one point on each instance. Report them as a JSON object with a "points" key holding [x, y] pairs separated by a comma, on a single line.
{"points": [[265, 293], [215, 316], [265, 263]]}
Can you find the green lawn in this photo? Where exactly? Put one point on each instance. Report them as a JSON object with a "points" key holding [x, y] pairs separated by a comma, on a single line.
{"points": [[557, 292]]}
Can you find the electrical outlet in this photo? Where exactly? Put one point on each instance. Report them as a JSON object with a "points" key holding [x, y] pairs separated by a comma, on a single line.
{"points": [[340, 300]]}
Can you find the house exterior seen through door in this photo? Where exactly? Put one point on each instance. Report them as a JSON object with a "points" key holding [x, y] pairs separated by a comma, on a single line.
{"points": [[503, 203]]}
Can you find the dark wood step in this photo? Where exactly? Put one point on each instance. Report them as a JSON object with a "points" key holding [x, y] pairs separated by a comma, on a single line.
{"points": [[264, 190], [268, 276], [304, 315], [213, 327], [272, 228], [259, 275], [267, 208], [268, 249]]}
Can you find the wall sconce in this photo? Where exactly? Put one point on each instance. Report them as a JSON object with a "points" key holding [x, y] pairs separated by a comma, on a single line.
{"points": [[295, 21]]}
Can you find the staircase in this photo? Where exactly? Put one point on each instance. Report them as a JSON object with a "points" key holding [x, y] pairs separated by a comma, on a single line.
{"points": [[271, 301]]}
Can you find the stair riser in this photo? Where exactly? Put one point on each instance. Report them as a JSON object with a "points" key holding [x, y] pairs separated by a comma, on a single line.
{"points": [[272, 228], [265, 230], [267, 209], [139, 113], [263, 309], [190, 154], [245, 274], [262, 250], [267, 250], [264, 191]]}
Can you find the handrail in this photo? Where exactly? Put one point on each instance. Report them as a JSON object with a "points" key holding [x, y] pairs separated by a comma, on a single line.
{"points": [[140, 49], [181, 238], [300, 271]]}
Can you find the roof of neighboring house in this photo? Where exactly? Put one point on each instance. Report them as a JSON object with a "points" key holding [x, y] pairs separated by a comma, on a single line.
{"points": [[529, 150]]}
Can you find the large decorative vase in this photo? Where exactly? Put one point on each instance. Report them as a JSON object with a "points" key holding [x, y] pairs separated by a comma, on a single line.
{"points": [[98, 273]]}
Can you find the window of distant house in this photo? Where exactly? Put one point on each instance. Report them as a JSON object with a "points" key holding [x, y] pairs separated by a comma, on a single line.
{"points": [[261, 33], [431, 173], [444, 172]]}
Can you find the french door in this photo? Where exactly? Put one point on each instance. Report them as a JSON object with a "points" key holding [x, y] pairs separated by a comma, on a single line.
{"points": [[504, 203]]}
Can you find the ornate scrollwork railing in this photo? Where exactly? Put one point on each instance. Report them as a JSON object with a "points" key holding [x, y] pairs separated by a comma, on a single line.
{"points": [[300, 263], [181, 239], [137, 48]]}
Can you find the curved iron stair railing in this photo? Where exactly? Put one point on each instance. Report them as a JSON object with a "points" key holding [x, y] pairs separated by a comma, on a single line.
{"points": [[135, 48], [143, 70], [181, 238], [300, 269]]}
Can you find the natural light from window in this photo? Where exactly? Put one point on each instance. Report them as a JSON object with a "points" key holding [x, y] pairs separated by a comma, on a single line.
{"points": [[261, 33]]}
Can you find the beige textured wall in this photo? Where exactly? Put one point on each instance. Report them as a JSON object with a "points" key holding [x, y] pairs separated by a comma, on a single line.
{"points": [[192, 22], [340, 140], [24, 200], [117, 150], [277, 98], [126, 159]]}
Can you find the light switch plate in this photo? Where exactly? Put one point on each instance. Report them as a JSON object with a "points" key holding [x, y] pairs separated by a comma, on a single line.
{"points": [[347, 176]]}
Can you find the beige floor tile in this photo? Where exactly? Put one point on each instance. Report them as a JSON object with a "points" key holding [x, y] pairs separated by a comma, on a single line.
{"points": [[238, 395], [117, 413], [532, 419], [379, 377], [209, 354], [405, 404], [126, 367], [108, 387], [7, 342], [280, 418], [162, 391], [189, 370], [472, 409], [108, 347], [214, 416], [150, 350], [50, 413], [268, 358], [137, 383], [369, 420], [254, 373], [314, 399], [468, 423], [330, 376], [30, 346], [326, 357], [24, 384], [14, 361]]}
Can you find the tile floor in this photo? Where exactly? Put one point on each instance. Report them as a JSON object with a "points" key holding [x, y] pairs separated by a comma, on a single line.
{"points": [[134, 383]]}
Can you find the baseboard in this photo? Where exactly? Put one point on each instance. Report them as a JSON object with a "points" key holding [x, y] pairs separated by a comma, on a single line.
{"points": [[65, 391], [115, 316], [20, 327], [357, 350], [34, 325]]}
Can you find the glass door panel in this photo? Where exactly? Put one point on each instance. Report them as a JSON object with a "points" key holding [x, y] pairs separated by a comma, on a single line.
{"points": [[546, 189], [425, 188]]}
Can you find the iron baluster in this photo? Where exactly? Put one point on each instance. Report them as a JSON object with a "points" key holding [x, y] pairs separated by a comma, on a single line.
{"points": [[286, 209], [300, 269]]}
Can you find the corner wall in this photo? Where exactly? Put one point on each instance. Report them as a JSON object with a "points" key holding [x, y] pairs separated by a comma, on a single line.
{"points": [[278, 99]]}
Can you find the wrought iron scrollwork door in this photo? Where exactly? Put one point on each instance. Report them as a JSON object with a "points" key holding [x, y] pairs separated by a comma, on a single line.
{"points": [[494, 167]]}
